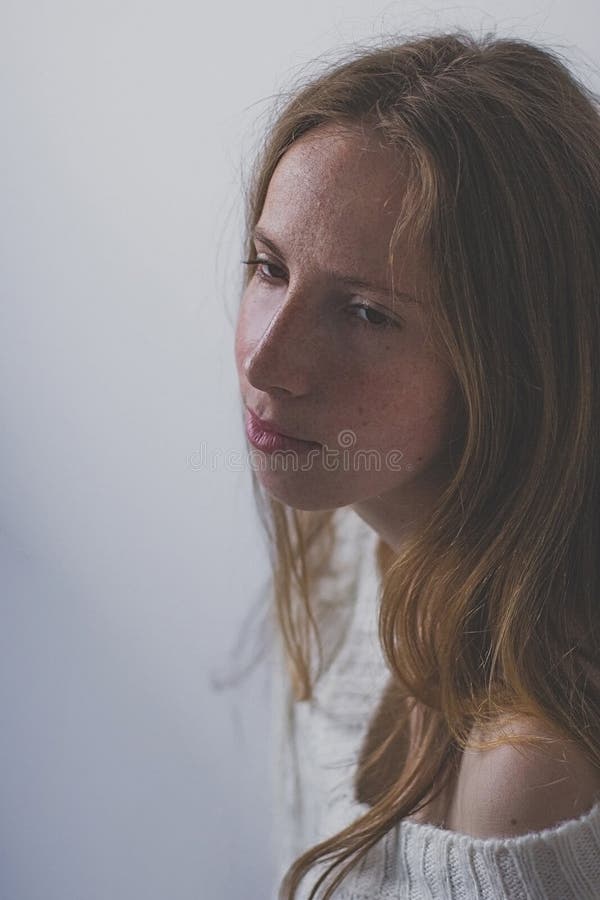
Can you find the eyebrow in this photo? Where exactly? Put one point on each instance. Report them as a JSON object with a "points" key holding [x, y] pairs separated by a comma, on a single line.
{"points": [[349, 280]]}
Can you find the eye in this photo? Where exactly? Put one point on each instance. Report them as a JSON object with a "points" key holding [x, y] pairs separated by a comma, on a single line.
{"points": [[257, 263], [381, 320]]}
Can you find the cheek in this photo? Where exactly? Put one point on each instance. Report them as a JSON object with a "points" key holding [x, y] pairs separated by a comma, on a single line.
{"points": [[237, 349], [249, 329], [416, 403], [241, 341], [436, 417]]}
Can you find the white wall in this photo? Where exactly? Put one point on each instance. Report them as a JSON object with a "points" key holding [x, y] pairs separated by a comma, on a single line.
{"points": [[127, 565]]}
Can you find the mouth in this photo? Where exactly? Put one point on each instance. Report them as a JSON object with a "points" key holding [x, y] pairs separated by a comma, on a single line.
{"points": [[273, 427], [265, 436]]}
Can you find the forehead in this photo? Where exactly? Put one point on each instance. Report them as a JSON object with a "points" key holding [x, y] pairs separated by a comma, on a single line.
{"points": [[338, 191]]}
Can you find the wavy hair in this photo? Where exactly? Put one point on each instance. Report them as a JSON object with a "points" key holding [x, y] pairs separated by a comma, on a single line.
{"points": [[492, 608]]}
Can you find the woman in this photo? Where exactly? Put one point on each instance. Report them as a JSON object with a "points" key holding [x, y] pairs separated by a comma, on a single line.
{"points": [[417, 354]]}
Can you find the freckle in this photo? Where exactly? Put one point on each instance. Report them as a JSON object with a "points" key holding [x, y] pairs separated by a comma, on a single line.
{"points": [[513, 821]]}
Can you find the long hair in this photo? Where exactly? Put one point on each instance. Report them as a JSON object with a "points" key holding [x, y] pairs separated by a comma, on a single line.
{"points": [[492, 608]]}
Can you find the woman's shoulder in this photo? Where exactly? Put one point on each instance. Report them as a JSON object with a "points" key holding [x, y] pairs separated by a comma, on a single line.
{"points": [[517, 788], [554, 853]]}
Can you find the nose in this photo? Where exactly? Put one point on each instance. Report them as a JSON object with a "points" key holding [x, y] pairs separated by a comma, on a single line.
{"points": [[285, 356]]}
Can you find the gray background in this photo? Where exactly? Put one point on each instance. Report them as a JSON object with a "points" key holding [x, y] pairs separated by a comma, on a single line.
{"points": [[130, 550]]}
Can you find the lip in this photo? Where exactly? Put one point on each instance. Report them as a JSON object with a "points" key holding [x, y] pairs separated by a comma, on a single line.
{"points": [[265, 435], [274, 428]]}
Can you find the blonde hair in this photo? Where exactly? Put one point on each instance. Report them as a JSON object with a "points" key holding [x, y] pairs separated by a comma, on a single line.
{"points": [[493, 607]]}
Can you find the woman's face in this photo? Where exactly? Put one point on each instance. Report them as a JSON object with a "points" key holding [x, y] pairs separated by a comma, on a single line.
{"points": [[315, 362]]}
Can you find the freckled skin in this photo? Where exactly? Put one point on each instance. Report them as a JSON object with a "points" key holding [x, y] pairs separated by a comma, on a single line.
{"points": [[305, 358]]}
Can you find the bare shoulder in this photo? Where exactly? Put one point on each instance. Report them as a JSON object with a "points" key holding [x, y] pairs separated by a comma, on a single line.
{"points": [[514, 789]]}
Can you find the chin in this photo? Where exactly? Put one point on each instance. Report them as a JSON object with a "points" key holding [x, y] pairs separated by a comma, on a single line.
{"points": [[301, 498], [299, 491]]}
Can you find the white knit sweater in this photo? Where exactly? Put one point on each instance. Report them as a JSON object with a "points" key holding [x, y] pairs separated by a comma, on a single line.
{"points": [[316, 746]]}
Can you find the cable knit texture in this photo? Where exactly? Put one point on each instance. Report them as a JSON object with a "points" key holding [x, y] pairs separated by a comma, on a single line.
{"points": [[315, 752]]}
